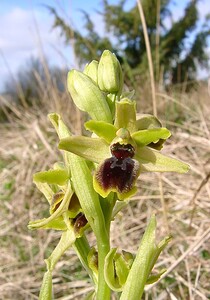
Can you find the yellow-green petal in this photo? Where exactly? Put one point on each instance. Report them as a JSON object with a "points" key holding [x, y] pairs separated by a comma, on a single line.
{"points": [[147, 136], [102, 129]]}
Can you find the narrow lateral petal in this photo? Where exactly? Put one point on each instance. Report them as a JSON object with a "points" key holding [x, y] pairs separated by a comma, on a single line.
{"points": [[145, 137], [102, 129]]}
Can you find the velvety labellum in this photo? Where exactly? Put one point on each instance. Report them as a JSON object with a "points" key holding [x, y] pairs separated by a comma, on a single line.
{"points": [[79, 222], [120, 171]]}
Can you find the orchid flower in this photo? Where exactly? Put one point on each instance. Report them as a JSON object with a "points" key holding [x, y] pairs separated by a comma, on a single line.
{"points": [[123, 150], [100, 168]]}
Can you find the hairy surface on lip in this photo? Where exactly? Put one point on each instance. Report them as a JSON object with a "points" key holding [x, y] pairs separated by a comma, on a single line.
{"points": [[119, 171]]}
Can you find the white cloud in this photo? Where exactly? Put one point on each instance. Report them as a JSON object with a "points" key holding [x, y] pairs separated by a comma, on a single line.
{"points": [[26, 33], [203, 8]]}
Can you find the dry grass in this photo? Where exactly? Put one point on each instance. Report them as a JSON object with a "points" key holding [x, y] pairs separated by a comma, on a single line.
{"points": [[181, 202]]}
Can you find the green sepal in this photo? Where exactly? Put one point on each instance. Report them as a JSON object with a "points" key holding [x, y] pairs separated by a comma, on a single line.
{"points": [[46, 190], [46, 292], [63, 207], [67, 239], [125, 115], [91, 70], [147, 121], [63, 132], [128, 94], [102, 129], [61, 129], [147, 136], [56, 224], [59, 177], [144, 262], [92, 149], [88, 97], [153, 161]]}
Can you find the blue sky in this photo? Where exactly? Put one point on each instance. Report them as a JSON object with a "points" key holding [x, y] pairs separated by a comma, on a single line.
{"points": [[26, 30]]}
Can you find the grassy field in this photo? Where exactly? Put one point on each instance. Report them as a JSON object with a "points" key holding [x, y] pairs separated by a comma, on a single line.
{"points": [[180, 202]]}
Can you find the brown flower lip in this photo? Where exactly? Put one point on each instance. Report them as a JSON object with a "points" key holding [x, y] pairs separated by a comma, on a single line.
{"points": [[119, 171]]}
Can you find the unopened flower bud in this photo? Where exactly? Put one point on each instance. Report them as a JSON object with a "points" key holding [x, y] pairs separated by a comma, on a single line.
{"points": [[110, 78], [91, 70], [88, 97]]}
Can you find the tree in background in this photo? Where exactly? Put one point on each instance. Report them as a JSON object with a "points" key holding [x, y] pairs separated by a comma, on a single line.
{"points": [[178, 48]]}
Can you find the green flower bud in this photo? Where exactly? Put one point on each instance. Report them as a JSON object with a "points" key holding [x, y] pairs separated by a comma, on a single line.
{"points": [[91, 70], [110, 78], [88, 97]]}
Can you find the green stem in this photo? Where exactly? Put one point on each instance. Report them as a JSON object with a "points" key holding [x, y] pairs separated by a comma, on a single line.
{"points": [[82, 248], [103, 243], [103, 291]]}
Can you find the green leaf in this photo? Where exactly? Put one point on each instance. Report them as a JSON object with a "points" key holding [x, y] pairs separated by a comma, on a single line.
{"points": [[109, 271], [144, 137], [92, 149], [46, 288], [88, 97], [153, 161], [116, 270], [59, 177], [67, 239], [122, 269], [142, 266], [102, 129]]}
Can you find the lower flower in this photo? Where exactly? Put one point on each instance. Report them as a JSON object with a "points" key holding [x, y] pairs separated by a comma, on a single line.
{"points": [[117, 173]]}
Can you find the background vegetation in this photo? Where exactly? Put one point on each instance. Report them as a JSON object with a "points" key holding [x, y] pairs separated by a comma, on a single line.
{"points": [[181, 202]]}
